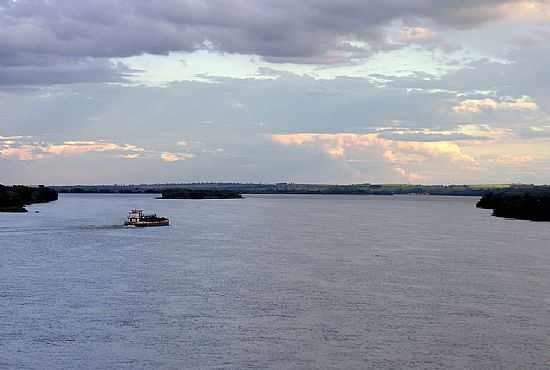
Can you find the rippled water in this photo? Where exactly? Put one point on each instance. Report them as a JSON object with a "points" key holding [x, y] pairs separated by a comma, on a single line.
{"points": [[273, 282]]}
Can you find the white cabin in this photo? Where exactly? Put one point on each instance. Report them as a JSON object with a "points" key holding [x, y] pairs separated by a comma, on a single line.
{"points": [[135, 215]]}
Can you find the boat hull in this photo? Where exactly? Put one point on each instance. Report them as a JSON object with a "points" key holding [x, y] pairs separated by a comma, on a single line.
{"points": [[148, 223]]}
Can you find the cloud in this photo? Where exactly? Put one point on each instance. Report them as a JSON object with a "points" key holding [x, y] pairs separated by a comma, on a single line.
{"points": [[526, 10], [409, 175], [416, 34], [27, 151], [24, 153], [504, 155], [430, 136], [534, 132], [338, 130], [513, 160], [78, 71], [15, 148], [131, 156], [479, 105], [81, 147], [176, 157], [520, 71], [400, 155], [67, 41]]}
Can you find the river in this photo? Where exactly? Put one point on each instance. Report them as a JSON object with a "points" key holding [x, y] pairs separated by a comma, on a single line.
{"points": [[273, 282]]}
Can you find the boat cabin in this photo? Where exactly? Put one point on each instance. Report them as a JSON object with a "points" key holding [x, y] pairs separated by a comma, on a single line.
{"points": [[135, 215]]}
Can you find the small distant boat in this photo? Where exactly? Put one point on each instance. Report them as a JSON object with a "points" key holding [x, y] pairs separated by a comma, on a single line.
{"points": [[136, 218]]}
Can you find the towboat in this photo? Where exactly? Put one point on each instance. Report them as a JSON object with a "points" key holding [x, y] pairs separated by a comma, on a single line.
{"points": [[136, 218]]}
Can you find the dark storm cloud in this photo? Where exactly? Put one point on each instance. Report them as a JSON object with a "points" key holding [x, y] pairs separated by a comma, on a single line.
{"points": [[53, 33], [82, 70]]}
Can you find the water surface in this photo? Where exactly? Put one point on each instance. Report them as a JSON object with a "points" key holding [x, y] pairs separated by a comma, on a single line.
{"points": [[273, 282]]}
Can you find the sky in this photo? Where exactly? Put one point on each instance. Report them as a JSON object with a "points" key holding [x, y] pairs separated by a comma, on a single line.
{"points": [[310, 91]]}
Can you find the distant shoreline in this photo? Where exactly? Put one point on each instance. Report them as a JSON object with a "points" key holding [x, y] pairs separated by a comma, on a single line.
{"points": [[185, 193], [292, 188]]}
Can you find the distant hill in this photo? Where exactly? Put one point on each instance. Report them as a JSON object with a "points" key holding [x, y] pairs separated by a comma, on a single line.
{"points": [[532, 203], [15, 198]]}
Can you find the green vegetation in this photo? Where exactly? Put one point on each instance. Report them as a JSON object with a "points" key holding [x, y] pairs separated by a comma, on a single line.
{"points": [[524, 203], [200, 194], [15, 198], [291, 188]]}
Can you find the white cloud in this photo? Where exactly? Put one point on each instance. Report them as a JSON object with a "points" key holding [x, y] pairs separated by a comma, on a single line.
{"points": [[399, 155], [176, 157], [25, 150], [488, 104]]}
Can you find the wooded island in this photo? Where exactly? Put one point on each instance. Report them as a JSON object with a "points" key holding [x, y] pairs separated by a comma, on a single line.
{"points": [[15, 198], [525, 204]]}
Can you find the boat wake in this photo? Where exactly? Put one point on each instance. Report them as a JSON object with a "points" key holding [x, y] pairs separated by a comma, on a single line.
{"points": [[100, 227]]}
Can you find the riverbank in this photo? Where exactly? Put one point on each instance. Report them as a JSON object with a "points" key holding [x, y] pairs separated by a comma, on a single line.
{"points": [[15, 198], [532, 204]]}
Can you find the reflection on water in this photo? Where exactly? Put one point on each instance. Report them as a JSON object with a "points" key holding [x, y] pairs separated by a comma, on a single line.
{"points": [[277, 282]]}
